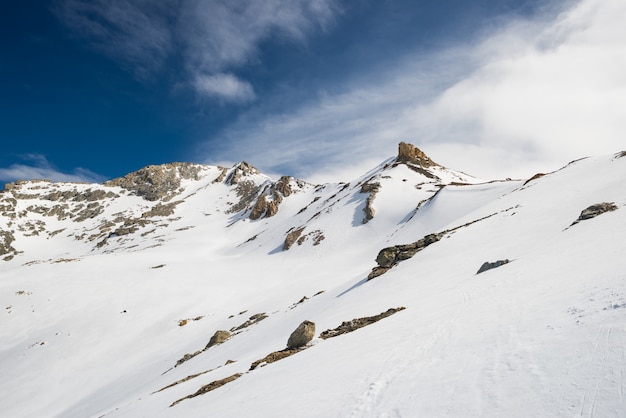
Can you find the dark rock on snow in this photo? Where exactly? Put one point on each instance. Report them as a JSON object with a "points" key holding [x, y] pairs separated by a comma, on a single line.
{"points": [[488, 266]]}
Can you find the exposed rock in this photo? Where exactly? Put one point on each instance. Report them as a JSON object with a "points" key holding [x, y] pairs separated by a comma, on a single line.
{"points": [[239, 171], [157, 182], [161, 209], [409, 153], [283, 186], [535, 177], [266, 205], [247, 191], [618, 155], [302, 335], [292, 237], [268, 202], [251, 321], [488, 266], [372, 189], [316, 236], [597, 209], [388, 257], [208, 388], [6, 239], [221, 176], [9, 186], [92, 210], [178, 382], [218, 338], [275, 356], [357, 323], [187, 357]]}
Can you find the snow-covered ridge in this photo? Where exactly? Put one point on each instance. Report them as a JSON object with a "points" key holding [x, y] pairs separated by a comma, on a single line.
{"points": [[175, 290]]}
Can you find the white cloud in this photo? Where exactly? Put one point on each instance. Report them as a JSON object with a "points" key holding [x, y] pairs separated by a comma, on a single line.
{"points": [[212, 37], [41, 169], [224, 86], [528, 97]]}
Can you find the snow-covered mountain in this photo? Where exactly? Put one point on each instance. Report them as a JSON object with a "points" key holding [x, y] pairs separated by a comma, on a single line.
{"points": [[173, 292]]}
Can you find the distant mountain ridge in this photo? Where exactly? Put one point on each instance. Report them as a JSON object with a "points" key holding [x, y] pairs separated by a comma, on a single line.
{"points": [[162, 188]]}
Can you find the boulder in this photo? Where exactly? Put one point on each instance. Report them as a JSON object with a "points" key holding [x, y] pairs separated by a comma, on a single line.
{"points": [[302, 335]]}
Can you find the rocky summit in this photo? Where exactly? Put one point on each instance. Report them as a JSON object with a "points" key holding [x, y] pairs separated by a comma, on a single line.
{"points": [[188, 290]]}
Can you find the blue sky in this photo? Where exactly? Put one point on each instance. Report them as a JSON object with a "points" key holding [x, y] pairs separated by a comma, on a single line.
{"points": [[318, 89]]}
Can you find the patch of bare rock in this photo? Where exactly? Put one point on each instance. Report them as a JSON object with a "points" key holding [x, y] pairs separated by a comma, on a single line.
{"points": [[595, 210], [353, 325], [209, 387], [492, 265], [254, 319], [157, 182], [372, 188], [218, 338], [390, 256], [272, 196]]}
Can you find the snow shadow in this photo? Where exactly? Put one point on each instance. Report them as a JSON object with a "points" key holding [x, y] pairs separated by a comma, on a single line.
{"points": [[354, 286]]}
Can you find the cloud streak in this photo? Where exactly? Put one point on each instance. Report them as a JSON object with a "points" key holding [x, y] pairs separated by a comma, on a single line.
{"points": [[38, 167], [526, 97], [211, 37]]}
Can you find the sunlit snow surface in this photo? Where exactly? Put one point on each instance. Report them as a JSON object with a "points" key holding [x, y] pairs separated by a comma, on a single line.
{"points": [[543, 335]]}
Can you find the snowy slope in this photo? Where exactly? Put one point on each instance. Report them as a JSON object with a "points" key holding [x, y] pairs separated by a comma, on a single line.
{"points": [[92, 330]]}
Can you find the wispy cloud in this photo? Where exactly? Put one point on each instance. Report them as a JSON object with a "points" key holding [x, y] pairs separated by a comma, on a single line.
{"points": [[529, 96], [224, 86], [212, 37], [136, 33], [37, 166]]}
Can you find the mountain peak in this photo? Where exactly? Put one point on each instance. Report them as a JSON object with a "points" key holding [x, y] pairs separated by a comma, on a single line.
{"points": [[409, 153]]}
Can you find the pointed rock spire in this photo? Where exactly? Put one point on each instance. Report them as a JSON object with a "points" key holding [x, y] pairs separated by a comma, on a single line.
{"points": [[409, 153]]}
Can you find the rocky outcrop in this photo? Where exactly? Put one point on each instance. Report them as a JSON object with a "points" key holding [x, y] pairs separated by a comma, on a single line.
{"points": [[251, 321], [161, 209], [492, 265], [239, 171], [349, 326], [372, 188], [595, 210], [158, 182], [302, 335], [276, 356], [390, 256], [6, 249], [272, 196], [292, 237], [209, 387], [218, 338], [409, 153], [535, 177], [247, 191]]}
